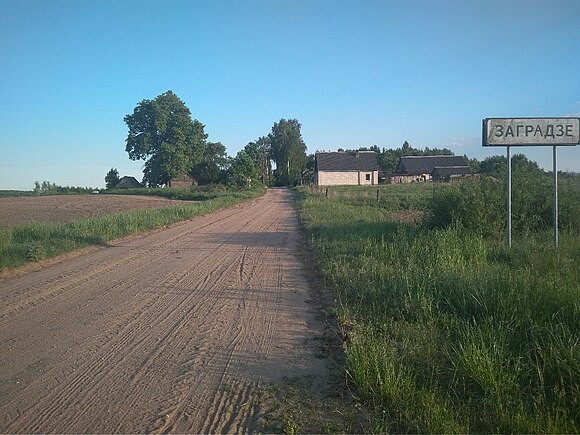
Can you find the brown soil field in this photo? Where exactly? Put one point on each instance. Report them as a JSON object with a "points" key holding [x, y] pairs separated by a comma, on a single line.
{"points": [[63, 208], [175, 331]]}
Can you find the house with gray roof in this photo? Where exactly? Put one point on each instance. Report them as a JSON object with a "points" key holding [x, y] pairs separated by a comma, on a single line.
{"points": [[450, 173], [412, 169], [127, 182], [341, 168]]}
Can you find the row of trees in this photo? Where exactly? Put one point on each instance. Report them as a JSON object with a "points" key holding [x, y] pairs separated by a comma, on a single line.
{"points": [[163, 134]]}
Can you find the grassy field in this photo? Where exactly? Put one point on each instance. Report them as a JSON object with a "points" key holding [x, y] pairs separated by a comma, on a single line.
{"points": [[37, 241], [445, 329]]}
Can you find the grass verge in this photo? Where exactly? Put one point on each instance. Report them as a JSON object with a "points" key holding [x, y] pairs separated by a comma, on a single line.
{"points": [[37, 241], [447, 330]]}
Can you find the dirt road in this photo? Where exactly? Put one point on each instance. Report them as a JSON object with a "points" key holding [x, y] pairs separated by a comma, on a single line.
{"points": [[176, 331]]}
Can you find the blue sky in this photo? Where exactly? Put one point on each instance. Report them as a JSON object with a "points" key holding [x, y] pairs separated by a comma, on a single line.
{"points": [[354, 73]]}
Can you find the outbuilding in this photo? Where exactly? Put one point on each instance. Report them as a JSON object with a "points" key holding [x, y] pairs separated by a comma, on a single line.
{"points": [[127, 182], [185, 180], [412, 169], [451, 173], [341, 168]]}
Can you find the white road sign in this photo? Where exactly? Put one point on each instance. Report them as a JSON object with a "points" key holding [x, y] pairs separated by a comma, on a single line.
{"points": [[531, 131]]}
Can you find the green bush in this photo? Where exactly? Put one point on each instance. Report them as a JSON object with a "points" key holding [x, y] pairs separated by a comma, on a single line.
{"points": [[480, 206]]}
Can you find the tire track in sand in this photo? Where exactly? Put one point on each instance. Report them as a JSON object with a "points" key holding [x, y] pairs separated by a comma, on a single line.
{"points": [[174, 331]]}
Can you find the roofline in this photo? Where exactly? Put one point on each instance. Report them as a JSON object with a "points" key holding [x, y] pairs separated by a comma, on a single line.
{"points": [[455, 166], [427, 157]]}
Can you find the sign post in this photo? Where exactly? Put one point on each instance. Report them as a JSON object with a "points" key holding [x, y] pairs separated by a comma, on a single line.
{"points": [[509, 198], [555, 195], [510, 132]]}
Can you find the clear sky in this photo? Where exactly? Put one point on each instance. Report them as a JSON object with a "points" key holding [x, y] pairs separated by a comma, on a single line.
{"points": [[354, 73]]}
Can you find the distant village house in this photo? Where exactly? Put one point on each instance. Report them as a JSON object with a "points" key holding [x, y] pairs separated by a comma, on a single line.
{"points": [[412, 169], [182, 181], [340, 168], [128, 183]]}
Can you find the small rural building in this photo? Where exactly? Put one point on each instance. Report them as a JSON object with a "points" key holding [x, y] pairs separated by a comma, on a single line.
{"points": [[128, 183], [412, 169], [341, 168], [185, 180], [451, 173]]}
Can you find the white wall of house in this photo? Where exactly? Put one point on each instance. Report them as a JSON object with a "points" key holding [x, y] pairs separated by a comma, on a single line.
{"points": [[346, 178], [396, 179]]}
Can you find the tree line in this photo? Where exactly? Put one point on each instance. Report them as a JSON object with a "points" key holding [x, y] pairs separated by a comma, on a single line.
{"points": [[171, 143]]}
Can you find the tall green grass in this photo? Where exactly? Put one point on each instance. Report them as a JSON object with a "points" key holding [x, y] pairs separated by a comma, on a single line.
{"points": [[448, 330], [37, 241], [196, 193], [393, 197]]}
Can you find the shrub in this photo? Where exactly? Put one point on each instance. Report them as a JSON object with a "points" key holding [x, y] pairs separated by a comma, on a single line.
{"points": [[479, 206]]}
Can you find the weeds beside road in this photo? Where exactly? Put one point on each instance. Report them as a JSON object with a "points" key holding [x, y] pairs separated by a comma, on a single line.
{"points": [[447, 330], [37, 241]]}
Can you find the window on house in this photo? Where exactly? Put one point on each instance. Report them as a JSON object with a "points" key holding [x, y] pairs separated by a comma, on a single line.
{"points": [[368, 177]]}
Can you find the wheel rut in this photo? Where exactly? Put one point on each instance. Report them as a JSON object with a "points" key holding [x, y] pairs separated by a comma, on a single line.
{"points": [[175, 331]]}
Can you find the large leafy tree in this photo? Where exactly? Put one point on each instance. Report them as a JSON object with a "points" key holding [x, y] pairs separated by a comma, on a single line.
{"points": [[212, 165], [288, 150], [163, 133]]}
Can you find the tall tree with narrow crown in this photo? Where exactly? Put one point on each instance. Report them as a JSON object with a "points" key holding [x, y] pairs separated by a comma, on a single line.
{"points": [[288, 150], [163, 133]]}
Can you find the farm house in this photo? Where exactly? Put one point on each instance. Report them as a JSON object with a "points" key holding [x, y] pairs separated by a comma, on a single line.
{"points": [[411, 169], [182, 181], [127, 182], [341, 168]]}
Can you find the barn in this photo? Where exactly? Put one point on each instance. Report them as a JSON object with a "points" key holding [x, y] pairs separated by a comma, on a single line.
{"points": [[412, 169], [127, 182], [341, 168], [451, 173], [182, 181]]}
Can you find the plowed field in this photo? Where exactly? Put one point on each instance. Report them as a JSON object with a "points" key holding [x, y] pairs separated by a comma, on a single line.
{"points": [[63, 208], [175, 331]]}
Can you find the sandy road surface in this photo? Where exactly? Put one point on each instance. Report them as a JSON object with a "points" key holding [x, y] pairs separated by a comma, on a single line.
{"points": [[174, 331]]}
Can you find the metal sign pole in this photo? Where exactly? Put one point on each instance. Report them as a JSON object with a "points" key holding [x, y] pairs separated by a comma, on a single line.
{"points": [[555, 205], [509, 198]]}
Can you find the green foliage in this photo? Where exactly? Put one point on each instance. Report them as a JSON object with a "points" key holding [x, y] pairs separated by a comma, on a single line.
{"points": [[196, 193], [288, 151], [244, 170], [479, 205], [162, 132], [35, 251], [496, 166], [16, 193], [448, 330], [48, 188], [112, 178], [390, 197], [211, 168], [387, 158]]}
